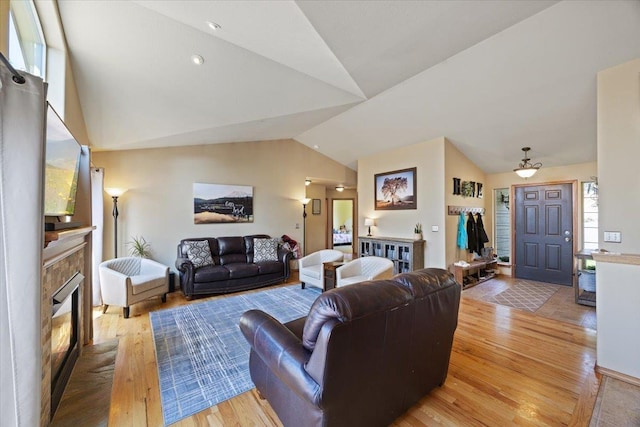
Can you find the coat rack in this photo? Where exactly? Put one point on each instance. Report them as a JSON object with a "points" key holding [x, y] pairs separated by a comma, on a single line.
{"points": [[457, 210]]}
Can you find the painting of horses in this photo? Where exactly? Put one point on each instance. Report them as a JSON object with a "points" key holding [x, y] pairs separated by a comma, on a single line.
{"points": [[220, 203]]}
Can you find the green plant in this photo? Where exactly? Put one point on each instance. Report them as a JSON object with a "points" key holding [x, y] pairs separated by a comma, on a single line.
{"points": [[139, 247], [418, 228], [503, 258], [467, 189]]}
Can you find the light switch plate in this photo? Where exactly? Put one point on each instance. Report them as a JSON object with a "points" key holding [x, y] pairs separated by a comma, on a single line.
{"points": [[434, 228], [612, 236]]}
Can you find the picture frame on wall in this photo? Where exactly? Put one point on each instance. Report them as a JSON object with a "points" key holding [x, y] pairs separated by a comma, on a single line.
{"points": [[219, 203], [315, 206], [395, 190]]}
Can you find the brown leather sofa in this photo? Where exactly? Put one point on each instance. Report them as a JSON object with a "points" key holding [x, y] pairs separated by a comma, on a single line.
{"points": [[233, 268], [364, 354]]}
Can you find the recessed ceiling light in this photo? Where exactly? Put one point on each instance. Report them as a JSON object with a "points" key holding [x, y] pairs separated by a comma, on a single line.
{"points": [[213, 25], [197, 59]]}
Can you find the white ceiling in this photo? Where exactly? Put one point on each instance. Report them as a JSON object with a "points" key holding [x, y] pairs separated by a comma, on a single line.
{"points": [[350, 77]]}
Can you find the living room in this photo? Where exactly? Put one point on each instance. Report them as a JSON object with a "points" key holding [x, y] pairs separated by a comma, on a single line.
{"points": [[159, 180]]}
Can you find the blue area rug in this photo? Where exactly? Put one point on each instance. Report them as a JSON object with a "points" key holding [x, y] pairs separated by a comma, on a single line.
{"points": [[203, 359]]}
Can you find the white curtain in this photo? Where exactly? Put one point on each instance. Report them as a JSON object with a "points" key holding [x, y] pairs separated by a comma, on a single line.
{"points": [[22, 122], [97, 219]]}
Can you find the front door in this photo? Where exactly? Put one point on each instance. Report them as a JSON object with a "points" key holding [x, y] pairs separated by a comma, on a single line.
{"points": [[544, 233]]}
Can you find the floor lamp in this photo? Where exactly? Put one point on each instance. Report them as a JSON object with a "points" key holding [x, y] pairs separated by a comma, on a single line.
{"points": [[305, 202], [115, 193]]}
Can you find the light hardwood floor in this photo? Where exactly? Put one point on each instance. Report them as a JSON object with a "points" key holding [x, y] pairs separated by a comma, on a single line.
{"points": [[508, 367]]}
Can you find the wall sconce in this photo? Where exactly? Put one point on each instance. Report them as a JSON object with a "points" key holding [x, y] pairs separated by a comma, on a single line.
{"points": [[526, 169], [304, 202], [340, 188], [368, 222], [307, 182], [115, 193]]}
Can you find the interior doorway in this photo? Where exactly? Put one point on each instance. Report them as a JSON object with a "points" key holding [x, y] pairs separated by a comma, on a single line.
{"points": [[342, 220], [544, 232]]}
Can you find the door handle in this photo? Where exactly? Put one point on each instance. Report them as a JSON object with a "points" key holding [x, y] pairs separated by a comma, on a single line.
{"points": [[567, 239]]}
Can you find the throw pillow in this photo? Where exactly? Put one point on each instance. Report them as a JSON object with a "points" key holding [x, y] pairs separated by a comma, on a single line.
{"points": [[265, 250], [199, 253]]}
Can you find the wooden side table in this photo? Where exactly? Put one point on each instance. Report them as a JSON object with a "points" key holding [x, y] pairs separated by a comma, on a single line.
{"points": [[330, 274]]}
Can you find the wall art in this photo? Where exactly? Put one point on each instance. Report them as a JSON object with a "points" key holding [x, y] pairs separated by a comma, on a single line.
{"points": [[395, 190], [219, 203]]}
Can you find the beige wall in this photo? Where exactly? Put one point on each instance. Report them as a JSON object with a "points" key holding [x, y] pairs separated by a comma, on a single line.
{"points": [[159, 203], [618, 154], [618, 347], [457, 165], [428, 158], [316, 224], [4, 33]]}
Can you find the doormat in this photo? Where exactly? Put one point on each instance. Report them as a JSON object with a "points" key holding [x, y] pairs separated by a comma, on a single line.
{"points": [[527, 296]]}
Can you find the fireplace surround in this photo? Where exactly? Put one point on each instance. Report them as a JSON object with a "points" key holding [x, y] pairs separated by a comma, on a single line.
{"points": [[64, 335], [66, 295]]}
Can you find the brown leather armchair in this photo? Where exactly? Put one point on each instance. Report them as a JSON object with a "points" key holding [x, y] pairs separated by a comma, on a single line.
{"points": [[364, 354]]}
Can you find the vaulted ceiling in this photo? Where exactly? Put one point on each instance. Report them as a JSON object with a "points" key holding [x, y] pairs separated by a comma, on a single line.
{"points": [[350, 78]]}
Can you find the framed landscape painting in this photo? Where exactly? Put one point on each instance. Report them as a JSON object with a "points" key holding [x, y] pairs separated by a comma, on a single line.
{"points": [[218, 203], [395, 190]]}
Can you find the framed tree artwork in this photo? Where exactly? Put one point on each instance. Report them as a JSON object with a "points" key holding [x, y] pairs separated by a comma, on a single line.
{"points": [[395, 190]]}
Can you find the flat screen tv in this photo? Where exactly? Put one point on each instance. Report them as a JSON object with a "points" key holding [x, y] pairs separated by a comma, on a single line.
{"points": [[62, 164]]}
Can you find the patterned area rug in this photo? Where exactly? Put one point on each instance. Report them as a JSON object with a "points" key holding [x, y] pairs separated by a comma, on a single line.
{"points": [[525, 295], [203, 359]]}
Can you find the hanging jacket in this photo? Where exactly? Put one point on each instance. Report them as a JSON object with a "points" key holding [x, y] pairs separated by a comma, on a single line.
{"points": [[462, 232], [481, 237], [472, 233]]}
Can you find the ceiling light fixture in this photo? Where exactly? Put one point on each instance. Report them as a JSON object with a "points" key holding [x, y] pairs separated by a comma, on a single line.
{"points": [[526, 169], [340, 188], [307, 182], [213, 25], [316, 147], [197, 59]]}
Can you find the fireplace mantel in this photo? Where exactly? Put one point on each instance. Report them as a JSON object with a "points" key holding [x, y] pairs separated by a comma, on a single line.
{"points": [[57, 242]]}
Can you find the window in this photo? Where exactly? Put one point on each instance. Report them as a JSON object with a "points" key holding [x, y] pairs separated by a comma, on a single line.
{"points": [[590, 215], [27, 48], [502, 221]]}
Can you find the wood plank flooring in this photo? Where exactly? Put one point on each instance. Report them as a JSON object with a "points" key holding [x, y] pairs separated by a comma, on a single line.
{"points": [[508, 367]]}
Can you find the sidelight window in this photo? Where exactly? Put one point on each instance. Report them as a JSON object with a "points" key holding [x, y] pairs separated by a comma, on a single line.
{"points": [[590, 215]]}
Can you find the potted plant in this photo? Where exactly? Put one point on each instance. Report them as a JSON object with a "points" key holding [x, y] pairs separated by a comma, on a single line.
{"points": [[417, 232], [139, 247]]}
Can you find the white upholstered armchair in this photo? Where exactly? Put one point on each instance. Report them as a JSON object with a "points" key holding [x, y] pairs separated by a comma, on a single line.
{"points": [[310, 267], [128, 280], [362, 269]]}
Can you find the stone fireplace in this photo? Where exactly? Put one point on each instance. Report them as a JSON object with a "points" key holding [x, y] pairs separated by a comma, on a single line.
{"points": [[64, 310], [65, 318]]}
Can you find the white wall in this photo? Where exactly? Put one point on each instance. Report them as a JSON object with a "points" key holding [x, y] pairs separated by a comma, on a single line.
{"points": [[159, 203], [618, 296], [428, 158]]}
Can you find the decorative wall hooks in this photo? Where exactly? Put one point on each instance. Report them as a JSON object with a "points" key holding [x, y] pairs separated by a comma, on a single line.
{"points": [[456, 210]]}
